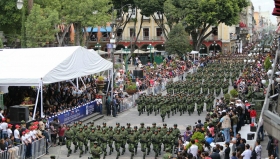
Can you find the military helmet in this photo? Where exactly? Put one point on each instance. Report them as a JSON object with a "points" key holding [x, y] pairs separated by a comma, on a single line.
{"points": [[131, 131], [81, 128], [128, 124], [104, 123], [175, 125], [142, 124], [156, 131], [158, 127], [110, 127], [67, 126], [92, 128], [135, 127], [117, 123], [85, 125], [154, 124], [75, 122], [164, 124], [98, 126], [122, 127], [103, 130], [95, 142], [148, 127]]}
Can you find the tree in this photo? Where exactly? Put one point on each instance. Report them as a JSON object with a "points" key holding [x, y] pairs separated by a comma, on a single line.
{"points": [[10, 20], [155, 9], [1, 43], [199, 16], [83, 13], [40, 26], [178, 41]]}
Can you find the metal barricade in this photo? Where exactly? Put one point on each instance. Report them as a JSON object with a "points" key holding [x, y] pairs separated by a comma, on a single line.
{"points": [[38, 148], [16, 152]]}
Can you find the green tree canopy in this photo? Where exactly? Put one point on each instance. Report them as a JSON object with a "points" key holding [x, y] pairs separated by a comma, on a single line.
{"points": [[40, 26], [10, 20], [178, 41], [1, 43], [199, 16]]}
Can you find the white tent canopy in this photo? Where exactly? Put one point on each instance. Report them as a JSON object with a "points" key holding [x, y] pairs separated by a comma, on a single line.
{"points": [[27, 67]]}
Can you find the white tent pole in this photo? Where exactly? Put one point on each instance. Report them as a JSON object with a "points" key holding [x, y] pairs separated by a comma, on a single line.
{"points": [[77, 81], [103, 73], [83, 82], [42, 98], [112, 84], [109, 82], [35, 107], [73, 84]]}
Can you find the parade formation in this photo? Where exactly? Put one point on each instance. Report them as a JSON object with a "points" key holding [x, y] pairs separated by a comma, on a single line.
{"points": [[96, 139], [198, 88]]}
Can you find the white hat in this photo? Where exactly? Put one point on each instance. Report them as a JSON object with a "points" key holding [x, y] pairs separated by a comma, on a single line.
{"points": [[246, 101], [277, 73]]}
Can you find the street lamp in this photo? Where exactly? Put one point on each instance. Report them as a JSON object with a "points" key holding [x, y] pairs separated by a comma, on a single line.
{"points": [[150, 47], [19, 4], [126, 50], [98, 46], [214, 45]]}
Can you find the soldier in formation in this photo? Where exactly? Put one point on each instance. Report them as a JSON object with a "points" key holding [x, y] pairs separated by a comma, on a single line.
{"points": [[120, 136]]}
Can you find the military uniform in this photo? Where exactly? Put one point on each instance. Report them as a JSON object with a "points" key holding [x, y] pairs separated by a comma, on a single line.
{"points": [[124, 135], [75, 130], [118, 138], [103, 141], [156, 141], [131, 139], [69, 135], [144, 139], [110, 141], [81, 140], [96, 151], [92, 137]]}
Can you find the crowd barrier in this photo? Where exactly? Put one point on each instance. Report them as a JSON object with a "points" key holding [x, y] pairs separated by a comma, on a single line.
{"points": [[75, 114], [37, 149]]}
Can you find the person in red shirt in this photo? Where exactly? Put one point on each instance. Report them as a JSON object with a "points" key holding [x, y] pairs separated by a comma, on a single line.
{"points": [[253, 114], [61, 131]]}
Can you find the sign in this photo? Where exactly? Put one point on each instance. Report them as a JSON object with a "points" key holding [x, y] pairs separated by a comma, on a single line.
{"points": [[75, 114]]}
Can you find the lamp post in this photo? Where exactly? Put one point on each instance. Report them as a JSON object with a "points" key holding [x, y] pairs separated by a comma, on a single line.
{"points": [[214, 45], [150, 47], [126, 50], [98, 46]]}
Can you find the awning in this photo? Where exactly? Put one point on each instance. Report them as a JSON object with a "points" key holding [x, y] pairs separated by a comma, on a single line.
{"points": [[102, 29]]}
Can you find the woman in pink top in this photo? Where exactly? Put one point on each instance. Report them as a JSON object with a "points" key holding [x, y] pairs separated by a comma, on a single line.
{"points": [[211, 129], [61, 131]]}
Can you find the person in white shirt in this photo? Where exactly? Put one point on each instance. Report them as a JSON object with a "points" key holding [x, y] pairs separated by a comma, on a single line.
{"points": [[99, 104], [193, 149], [17, 135], [258, 149], [4, 127], [29, 141], [9, 131], [247, 153], [23, 139]]}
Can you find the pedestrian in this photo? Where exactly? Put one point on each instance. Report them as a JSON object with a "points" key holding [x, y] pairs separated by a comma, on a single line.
{"points": [[53, 134], [61, 131], [167, 154], [193, 149], [215, 154], [260, 132], [258, 149], [226, 125], [247, 153], [253, 114], [227, 150]]}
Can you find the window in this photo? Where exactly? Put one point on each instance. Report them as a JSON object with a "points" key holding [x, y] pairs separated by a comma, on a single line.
{"points": [[131, 32], [146, 33], [159, 31]]}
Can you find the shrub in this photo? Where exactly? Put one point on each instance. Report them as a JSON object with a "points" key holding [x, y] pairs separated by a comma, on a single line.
{"points": [[233, 93]]}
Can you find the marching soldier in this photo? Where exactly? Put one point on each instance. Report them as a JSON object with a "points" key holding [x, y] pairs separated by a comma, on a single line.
{"points": [[92, 137], [156, 140], [142, 127], [168, 140], [124, 135], [136, 134], [81, 138], [75, 130], [86, 131], [118, 138], [69, 135], [104, 139], [131, 139], [117, 127], [149, 133], [153, 127], [144, 139], [96, 151], [110, 141]]}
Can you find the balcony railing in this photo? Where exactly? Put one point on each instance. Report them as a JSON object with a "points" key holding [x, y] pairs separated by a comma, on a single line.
{"points": [[143, 38]]}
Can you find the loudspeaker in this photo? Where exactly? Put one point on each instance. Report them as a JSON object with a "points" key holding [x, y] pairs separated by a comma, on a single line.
{"points": [[250, 136], [19, 113], [138, 73], [253, 128]]}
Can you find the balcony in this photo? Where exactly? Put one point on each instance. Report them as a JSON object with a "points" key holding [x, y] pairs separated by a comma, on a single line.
{"points": [[142, 38]]}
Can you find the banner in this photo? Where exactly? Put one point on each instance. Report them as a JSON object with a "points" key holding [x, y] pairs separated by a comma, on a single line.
{"points": [[76, 114]]}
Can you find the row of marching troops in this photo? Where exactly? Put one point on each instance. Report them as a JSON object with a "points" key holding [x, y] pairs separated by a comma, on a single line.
{"points": [[198, 89], [95, 140]]}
